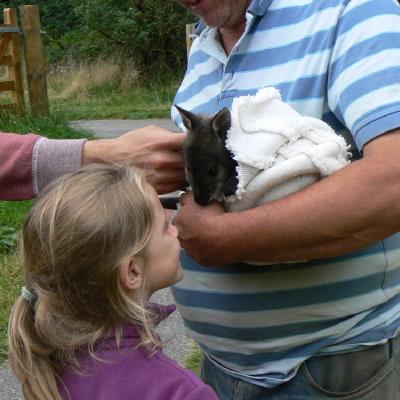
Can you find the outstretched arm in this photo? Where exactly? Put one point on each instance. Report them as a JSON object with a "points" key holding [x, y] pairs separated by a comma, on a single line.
{"points": [[29, 162], [351, 209]]}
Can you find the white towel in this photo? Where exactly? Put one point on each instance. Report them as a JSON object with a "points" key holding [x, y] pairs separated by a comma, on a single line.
{"points": [[278, 151]]}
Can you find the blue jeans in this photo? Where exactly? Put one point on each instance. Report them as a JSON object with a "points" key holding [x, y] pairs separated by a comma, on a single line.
{"points": [[370, 374]]}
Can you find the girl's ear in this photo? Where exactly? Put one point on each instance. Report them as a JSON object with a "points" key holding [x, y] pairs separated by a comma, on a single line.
{"points": [[132, 273]]}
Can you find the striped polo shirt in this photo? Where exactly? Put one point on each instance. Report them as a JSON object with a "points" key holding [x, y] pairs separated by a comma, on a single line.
{"points": [[337, 60]]}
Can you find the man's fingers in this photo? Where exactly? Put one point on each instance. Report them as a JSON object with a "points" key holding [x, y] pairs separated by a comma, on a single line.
{"points": [[177, 141], [171, 140], [165, 188], [160, 160], [166, 181], [171, 160], [167, 175], [184, 196]]}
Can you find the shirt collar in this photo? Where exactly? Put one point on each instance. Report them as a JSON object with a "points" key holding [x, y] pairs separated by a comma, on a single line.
{"points": [[256, 7], [259, 7]]}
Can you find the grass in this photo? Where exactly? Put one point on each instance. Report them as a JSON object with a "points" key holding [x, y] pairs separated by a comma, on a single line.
{"points": [[138, 103], [193, 361], [12, 213], [10, 286], [110, 89], [55, 127]]}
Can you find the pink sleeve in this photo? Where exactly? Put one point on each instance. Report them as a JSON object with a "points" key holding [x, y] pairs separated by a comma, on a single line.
{"points": [[29, 162], [16, 177]]}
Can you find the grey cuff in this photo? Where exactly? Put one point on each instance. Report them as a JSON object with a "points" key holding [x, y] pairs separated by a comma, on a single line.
{"points": [[53, 158]]}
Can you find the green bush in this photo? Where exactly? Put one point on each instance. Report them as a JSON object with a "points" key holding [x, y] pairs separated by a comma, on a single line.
{"points": [[150, 32]]}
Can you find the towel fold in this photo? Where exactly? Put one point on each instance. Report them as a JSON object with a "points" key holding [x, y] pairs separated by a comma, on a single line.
{"points": [[278, 151]]}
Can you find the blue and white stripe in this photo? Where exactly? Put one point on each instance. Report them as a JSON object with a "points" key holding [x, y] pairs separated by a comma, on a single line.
{"points": [[338, 60]]}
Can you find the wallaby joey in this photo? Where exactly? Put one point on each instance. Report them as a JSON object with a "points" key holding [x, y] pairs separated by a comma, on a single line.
{"points": [[210, 167]]}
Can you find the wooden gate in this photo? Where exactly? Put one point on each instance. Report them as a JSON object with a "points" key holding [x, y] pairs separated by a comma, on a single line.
{"points": [[10, 58], [35, 82]]}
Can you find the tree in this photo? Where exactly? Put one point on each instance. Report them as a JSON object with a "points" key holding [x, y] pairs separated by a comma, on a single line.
{"points": [[150, 31]]}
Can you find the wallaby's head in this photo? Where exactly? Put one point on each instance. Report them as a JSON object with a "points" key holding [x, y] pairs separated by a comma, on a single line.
{"points": [[210, 168]]}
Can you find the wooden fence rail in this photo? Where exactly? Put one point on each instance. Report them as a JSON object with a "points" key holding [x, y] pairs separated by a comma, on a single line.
{"points": [[35, 64], [10, 58], [190, 29], [32, 57]]}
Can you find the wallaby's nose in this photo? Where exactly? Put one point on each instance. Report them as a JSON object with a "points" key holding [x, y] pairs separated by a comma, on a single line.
{"points": [[202, 201]]}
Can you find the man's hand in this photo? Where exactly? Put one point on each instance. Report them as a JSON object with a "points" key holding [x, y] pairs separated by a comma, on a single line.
{"points": [[156, 150], [198, 231]]}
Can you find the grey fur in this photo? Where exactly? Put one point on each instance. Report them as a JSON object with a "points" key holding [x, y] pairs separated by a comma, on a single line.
{"points": [[210, 167]]}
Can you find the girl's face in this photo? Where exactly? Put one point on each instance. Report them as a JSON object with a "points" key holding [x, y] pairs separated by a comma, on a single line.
{"points": [[161, 257]]}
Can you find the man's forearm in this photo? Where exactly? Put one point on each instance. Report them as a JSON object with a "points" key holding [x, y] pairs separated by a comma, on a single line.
{"points": [[349, 210], [315, 223]]}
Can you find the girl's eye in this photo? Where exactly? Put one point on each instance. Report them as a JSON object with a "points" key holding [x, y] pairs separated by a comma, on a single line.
{"points": [[212, 171]]}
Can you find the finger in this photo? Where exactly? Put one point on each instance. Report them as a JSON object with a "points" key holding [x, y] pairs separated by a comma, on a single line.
{"points": [[173, 176], [184, 197], [171, 160], [180, 196], [162, 160], [167, 139], [176, 142]]}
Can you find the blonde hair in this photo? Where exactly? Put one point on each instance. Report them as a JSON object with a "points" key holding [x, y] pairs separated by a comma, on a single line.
{"points": [[75, 239]]}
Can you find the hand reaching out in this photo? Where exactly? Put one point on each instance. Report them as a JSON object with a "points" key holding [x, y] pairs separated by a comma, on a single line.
{"points": [[156, 150]]}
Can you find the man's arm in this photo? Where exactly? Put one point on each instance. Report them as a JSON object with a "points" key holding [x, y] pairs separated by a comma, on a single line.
{"points": [[346, 211]]}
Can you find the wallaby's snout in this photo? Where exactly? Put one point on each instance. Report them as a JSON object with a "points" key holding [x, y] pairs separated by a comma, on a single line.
{"points": [[201, 200]]}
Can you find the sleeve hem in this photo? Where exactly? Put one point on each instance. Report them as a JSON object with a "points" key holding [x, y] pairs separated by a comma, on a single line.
{"points": [[56, 157], [35, 186], [372, 129]]}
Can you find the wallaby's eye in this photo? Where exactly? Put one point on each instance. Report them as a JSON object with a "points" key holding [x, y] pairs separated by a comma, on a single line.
{"points": [[212, 171]]}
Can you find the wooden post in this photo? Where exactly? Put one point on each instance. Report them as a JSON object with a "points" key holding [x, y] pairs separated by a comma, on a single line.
{"points": [[34, 61], [190, 29], [15, 75]]}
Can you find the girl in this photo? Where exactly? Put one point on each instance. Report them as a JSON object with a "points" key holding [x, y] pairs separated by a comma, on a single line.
{"points": [[96, 245]]}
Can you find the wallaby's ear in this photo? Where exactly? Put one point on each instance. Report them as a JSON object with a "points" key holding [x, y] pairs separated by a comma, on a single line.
{"points": [[221, 122], [188, 118]]}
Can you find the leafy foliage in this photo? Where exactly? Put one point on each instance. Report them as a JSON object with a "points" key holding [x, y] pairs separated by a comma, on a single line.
{"points": [[151, 32], [57, 17]]}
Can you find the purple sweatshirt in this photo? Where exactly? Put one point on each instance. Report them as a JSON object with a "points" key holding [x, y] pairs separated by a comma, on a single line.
{"points": [[127, 373]]}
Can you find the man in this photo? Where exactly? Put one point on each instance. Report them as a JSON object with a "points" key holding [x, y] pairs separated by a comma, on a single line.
{"points": [[29, 162], [327, 327]]}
